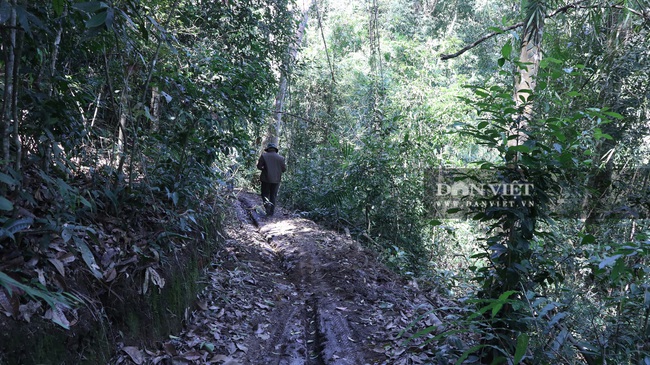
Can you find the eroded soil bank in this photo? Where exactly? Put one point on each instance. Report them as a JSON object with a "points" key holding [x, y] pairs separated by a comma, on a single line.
{"points": [[285, 291]]}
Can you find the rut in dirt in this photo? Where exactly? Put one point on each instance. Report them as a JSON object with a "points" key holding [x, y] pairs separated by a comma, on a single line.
{"points": [[322, 306], [285, 291]]}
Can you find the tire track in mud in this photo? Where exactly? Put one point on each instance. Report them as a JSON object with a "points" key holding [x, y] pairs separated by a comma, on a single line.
{"points": [[284, 291], [327, 336]]}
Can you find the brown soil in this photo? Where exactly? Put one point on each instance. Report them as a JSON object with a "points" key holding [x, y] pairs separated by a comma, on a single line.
{"points": [[284, 290]]}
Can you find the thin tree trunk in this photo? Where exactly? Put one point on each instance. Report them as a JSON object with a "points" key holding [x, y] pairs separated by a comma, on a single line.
{"points": [[121, 133], [273, 134], [143, 100], [155, 107], [18, 145], [275, 127], [55, 48], [322, 33], [530, 57], [452, 24], [6, 102], [7, 115]]}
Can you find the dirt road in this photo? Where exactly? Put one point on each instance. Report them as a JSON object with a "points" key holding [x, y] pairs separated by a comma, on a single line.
{"points": [[285, 291]]}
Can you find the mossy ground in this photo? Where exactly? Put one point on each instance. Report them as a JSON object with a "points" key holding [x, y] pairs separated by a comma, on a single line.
{"points": [[132, 319]]}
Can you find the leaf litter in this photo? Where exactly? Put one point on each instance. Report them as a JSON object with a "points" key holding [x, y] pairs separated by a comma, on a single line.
{"points": [[284, 290]]}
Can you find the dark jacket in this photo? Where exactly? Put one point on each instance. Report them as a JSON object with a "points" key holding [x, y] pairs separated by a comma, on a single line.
{"points": [[272, 166]]}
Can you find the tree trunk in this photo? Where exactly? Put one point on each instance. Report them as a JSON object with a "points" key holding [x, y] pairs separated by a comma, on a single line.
{"points": [[145, 94], [530, 57], [10, 115], [18, 145], [121, 133], [322, 34], [155, 107], [275, 127], [7, 98]]}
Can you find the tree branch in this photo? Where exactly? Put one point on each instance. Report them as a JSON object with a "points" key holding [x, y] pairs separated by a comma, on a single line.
{"points": [[563, 9], [479, 41]]}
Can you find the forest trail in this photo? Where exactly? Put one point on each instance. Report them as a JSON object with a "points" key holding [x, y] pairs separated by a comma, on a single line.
{"points": [[286, 291]]}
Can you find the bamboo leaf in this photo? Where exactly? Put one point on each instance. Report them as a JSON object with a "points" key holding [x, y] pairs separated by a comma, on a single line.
{"points": [[522, 346], [5, 204], [506, 50], [468, 352], [8, 179], [614, 115], [87, 256], [520, 148], [97, 20]]}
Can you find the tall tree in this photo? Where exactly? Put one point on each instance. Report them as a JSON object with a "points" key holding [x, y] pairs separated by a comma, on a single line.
{"points": [[12, 36], [530, 56], [275, 127]]}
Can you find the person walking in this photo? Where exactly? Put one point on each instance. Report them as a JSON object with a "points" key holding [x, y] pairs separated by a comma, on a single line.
{"points": [[272, 165]]}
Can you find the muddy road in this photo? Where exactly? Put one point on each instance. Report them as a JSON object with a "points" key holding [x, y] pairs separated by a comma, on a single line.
{"points": [[285, 291]]}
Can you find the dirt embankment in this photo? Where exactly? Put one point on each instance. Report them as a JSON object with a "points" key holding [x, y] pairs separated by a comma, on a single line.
{"points": [[285, 291]]}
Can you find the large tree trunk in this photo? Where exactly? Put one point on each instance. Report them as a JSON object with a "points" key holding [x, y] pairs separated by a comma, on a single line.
{"points": [[275, 127]]}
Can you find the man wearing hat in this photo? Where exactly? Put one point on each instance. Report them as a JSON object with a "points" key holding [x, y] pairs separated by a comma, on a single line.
{"points": [[272, 165]]}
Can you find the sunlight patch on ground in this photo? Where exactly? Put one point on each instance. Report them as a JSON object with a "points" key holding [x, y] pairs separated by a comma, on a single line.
{"points": [[284, 227]]}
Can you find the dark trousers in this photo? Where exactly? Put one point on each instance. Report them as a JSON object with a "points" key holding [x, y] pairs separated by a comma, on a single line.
{"points": [[269, 195]]}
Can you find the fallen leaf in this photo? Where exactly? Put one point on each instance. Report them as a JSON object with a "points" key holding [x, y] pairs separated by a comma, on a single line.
{"points": [[170, 349], [7, 303], [66, 257], [29, 309], [156, 279], [220, 358], [232, 362], [41, 276], [58, 265], [242, 347], [263, 336], [135, 354], [110, 275], [192, 355], [87, 256], [57, 316]]}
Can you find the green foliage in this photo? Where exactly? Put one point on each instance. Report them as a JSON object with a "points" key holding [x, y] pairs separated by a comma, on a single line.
{"points": [[360, 149], [525, 257], [126, 109]]}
